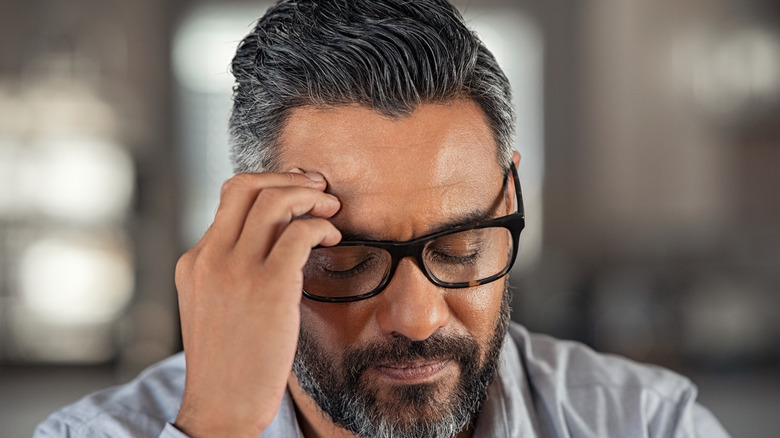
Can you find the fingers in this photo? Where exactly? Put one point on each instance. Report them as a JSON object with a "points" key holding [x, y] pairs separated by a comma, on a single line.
{"points": [[294, 245], [272, 213], [238, 196], [228, 294]]}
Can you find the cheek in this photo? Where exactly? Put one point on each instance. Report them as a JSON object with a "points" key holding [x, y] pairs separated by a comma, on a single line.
{"points": [[335, 326], [477, 309]]}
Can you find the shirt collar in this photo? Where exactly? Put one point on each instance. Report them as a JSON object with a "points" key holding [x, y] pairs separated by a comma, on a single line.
{"points": [[508, 406]]}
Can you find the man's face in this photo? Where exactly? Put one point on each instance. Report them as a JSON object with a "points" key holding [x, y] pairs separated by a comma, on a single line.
{"points": [[417, 357]]}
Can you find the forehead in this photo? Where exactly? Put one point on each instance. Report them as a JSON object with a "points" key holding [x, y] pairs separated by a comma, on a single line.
{"points": [[397, 178]]}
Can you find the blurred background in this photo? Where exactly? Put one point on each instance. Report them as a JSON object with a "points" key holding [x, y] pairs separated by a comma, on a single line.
{"points": [[650, 135]]}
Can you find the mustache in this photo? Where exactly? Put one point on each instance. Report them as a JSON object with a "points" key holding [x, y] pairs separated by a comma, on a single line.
{"points": [[400, 349]]}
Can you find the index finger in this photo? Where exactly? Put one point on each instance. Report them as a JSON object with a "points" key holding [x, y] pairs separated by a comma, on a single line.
{"points": [[239, 194]]}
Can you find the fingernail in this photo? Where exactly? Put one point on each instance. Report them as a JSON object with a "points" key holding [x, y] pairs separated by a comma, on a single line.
{"points": [[295, 170], [314, 176]]}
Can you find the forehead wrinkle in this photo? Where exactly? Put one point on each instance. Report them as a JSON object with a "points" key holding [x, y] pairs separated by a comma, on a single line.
{"points": [[397, 177], [468, 218], [429, 220]]}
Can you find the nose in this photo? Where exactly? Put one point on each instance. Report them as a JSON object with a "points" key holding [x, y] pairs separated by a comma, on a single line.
{"points": [[411, 305]]}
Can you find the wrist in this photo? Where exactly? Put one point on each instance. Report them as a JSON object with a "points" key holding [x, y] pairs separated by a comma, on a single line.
{"points": [[215, 422]]}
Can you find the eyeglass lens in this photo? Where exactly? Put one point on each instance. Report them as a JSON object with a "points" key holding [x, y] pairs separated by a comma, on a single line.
{"points": [[462, 257]]}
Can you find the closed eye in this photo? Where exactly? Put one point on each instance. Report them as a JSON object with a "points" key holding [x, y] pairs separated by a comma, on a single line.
{"points": [[440, 257], [357, 269]]}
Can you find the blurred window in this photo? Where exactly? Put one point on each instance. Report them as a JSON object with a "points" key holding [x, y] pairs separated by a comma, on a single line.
{"points": [[66, 186]]}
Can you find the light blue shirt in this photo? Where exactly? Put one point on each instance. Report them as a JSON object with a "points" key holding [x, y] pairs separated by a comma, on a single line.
{"points": [[544, 388]]}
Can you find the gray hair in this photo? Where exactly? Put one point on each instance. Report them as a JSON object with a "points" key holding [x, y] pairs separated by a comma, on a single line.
{"points": [[387, 55]]}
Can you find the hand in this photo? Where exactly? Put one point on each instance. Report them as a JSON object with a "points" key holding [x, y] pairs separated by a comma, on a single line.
{"points": [[239, 299]]}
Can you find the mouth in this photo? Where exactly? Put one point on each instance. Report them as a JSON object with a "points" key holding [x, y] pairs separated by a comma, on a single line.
{"points": [[414, 372]]}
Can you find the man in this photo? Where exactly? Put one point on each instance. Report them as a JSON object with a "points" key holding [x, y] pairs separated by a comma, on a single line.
{"points": [[353, 282]]}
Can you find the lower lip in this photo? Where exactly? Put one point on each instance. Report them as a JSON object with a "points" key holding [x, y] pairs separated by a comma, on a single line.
{"points": [[414, 373]]}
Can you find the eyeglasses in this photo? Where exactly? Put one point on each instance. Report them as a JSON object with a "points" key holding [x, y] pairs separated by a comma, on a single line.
{"points": [[460, 257]]}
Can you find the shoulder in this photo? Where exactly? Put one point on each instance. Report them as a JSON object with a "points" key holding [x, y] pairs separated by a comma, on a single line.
{"points": [[139, 408], [573, 365], [575, 388]]}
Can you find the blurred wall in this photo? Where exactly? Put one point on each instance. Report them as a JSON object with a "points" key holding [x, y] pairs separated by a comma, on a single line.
{"points": [[92, 73], [662, 136]]}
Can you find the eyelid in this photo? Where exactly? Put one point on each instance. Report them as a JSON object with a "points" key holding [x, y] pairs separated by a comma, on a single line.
{"points": [[439, 256], [354, 270]]}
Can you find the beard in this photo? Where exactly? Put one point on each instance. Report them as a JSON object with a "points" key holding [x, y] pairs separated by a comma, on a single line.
{"points": [[426, 410]]}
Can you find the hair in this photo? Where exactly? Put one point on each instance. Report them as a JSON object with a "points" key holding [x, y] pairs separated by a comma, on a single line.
{"points": [[387, 55]]}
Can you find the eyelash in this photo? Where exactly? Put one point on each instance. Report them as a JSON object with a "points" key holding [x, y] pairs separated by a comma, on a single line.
{"points": [[455, 259], [351, 272]]}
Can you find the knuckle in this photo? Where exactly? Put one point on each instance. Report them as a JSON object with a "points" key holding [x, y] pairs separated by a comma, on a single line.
{"points": [[243, 178], [236, 182], [183, 268], [204, 261], [197, 266], [185, 261], [272, 196], [300, 226], [292, 178], [304, 227]]}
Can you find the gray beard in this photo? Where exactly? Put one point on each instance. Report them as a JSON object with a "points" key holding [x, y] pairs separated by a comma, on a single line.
{"points": [[412, 411]]}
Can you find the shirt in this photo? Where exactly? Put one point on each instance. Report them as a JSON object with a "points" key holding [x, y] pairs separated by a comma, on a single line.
{"points": [[544, 387]]}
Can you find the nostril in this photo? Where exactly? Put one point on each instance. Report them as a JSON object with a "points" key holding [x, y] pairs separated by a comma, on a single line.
{"points": [[397, 335]]}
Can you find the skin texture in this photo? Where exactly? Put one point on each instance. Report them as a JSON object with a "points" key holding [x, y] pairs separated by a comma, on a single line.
{"points": [[393, 179]]}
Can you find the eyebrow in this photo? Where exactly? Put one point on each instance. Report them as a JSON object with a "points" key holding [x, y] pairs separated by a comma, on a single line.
{"points": [[468, 218]]}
